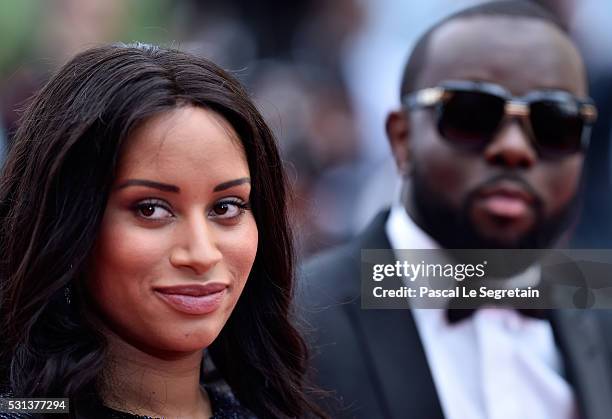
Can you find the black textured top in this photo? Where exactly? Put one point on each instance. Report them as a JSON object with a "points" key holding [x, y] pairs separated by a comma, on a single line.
{"points": [[223, 403]]}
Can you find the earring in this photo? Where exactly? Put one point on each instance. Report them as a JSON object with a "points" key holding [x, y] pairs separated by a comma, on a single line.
{"points": [[68, 293], [68, 289]]}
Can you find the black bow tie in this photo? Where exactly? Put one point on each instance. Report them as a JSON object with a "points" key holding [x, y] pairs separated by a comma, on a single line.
{"points": [[455, 315]]}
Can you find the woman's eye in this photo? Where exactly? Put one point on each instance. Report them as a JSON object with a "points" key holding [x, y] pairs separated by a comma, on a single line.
{"points": [[228, 209], [152, 211]]}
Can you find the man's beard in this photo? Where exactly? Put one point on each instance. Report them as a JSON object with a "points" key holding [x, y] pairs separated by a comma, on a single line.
{"points": [[454, 229]]}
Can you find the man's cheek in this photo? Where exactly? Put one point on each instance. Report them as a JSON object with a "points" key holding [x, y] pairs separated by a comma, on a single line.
{"points": [[450, 179], [562, 184]]}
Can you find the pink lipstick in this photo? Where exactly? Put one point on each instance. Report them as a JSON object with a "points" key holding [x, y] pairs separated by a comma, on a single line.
{"points": [[194, 299]]}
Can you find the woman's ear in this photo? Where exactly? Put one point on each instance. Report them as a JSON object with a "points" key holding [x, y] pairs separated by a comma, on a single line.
{"points": [[398, 134]]}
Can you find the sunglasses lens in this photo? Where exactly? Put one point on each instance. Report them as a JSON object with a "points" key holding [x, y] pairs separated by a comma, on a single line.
{"points": [[557, 126], [470, 119]]}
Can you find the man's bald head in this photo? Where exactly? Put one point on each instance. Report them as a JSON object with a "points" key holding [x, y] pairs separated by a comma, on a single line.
{"points": [[509, 8]]}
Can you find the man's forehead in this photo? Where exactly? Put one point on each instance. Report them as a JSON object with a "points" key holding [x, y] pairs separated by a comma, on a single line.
{"points": [[522, 54]]}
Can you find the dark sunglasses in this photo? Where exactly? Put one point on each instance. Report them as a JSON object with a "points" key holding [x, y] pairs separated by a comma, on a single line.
{"points": [[469, 114]]}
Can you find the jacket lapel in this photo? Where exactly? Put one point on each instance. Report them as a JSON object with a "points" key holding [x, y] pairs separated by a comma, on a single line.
{"points": [[398, 366], [580, 340]]}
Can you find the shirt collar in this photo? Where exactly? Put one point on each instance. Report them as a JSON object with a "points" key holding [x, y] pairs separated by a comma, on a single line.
{"points": [[404, 233]]}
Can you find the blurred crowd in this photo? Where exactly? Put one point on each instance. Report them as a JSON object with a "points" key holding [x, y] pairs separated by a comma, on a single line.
{"points": [[324, 74]]}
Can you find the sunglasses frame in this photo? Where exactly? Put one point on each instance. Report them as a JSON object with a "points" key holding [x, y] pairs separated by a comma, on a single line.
{"points": [[515, 106]]}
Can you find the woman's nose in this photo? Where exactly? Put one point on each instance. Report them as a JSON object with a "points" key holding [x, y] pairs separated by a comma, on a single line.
{"points": [[196, 248]]}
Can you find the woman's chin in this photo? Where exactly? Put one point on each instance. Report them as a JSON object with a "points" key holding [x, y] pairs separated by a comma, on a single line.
{"points": [[186, 342]]}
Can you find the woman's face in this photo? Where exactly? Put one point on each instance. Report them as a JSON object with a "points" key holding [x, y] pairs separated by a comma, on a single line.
{"points": [[177, 240]]}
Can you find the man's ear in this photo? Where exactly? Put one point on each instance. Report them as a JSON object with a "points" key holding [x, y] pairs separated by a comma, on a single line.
{"points": [[398, 134]]}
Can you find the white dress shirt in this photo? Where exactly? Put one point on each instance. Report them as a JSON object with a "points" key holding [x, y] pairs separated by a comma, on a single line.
{"points": [[496, 364]]}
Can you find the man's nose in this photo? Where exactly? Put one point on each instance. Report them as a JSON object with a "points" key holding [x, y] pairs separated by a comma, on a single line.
{"points": [[196, 247], [511, 147]]}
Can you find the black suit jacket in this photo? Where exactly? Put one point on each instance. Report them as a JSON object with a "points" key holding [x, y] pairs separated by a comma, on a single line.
{"points": [[373, 362]]}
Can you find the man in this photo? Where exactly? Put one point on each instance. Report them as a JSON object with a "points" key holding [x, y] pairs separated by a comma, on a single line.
{"points": [[477, 173]]}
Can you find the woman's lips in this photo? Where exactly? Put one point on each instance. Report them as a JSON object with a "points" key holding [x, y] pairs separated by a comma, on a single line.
{"points": [[193, 298]]}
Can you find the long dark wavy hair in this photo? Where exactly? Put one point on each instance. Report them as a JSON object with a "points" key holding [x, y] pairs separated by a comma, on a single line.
{"points": [[53, 192]]}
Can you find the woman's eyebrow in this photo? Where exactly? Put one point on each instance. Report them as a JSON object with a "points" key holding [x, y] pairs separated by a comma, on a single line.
{"points": [[235, 182], [150, 184]]}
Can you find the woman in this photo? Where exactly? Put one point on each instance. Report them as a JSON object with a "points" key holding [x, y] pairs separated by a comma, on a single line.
{"points": [[143, 219]]}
